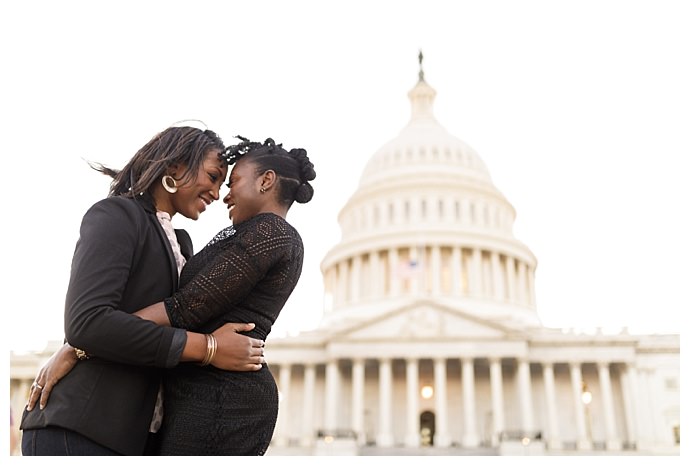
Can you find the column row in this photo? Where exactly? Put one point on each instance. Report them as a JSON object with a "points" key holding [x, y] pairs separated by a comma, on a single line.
{"points": [[434, 270], [335, 413]]}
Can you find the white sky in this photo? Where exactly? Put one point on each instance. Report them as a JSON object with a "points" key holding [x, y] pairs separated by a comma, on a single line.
{"points": [[579, 109]]}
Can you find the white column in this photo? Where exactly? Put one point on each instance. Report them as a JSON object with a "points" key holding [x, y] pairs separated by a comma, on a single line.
{"points": [[510, 274], [418, 275], [470, 437], [330, 289], [308, 405], [497, 276], [442, 436], [476, 277], [584, 442], [332, 382], [393, 272], [355, 279], [525, 390], [358, 400], [456, 270], [530, 286], [553, 436], [646, 437], [433, 209], [522, 283], [20, 398], [284, 406], [375, 274], [415, 210], [412, 373], [612, 440], [630, 401], [385, 435], [496, 376], [398, 212], [487, 277], [435, 270]]}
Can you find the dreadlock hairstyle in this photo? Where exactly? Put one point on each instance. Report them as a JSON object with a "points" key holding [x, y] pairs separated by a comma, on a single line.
{"points": [[293, 168], [175, 145]]}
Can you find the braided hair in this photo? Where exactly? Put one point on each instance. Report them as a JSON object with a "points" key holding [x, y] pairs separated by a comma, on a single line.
{"points": [[293, 168], [183, 145]]}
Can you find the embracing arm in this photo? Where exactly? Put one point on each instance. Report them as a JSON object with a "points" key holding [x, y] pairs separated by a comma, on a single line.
{"points": [[227, 279], [101, 264], [235, 352], [115, 263], [112, 252]]}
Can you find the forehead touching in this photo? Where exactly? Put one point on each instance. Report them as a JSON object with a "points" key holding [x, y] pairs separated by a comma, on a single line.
{"points": [[214, 156], [213, 160]]}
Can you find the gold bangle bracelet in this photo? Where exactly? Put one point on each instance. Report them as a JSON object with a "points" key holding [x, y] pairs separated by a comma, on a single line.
{"points": [[214, 348], [211, 346]]}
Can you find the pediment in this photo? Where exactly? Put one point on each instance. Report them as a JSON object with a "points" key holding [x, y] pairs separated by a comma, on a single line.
{"points": [[424, 321]]}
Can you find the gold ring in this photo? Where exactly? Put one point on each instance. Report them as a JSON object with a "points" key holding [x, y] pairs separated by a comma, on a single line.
{"points": [[36, 384]]}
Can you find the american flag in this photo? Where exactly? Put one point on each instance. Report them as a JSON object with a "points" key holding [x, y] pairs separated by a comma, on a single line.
{"points": [[409, 268]]}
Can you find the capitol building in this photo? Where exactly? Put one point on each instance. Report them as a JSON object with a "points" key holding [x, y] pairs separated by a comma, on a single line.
{"points": [[430, 341]]}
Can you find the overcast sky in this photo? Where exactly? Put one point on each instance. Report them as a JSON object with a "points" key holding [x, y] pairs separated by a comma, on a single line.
{"points": [[580, 110]]}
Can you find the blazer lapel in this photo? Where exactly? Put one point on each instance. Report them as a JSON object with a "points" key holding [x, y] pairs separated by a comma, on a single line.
{"points": [[151, 210]]}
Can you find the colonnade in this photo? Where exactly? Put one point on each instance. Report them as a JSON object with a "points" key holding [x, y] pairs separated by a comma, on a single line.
{"points": [[380, 401], [434, 270], [549, 401]]}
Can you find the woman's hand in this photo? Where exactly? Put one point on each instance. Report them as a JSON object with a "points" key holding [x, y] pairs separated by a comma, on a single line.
{"points": [[237, 352], [58, 366]]}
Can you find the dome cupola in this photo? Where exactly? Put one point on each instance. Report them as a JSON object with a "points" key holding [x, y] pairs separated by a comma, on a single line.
{"points": [[426, 221]]}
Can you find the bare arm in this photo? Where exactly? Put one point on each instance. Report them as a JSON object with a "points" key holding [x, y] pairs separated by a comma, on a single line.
{"points": [[235, 352]]}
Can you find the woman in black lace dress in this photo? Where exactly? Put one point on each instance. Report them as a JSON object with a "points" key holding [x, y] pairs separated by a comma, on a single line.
{"points": [[245, 274]]}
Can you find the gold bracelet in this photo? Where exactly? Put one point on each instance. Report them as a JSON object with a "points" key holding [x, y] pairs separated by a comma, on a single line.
{"points": [[81, 354], [204, 361], [214, 347], [211, 347]]}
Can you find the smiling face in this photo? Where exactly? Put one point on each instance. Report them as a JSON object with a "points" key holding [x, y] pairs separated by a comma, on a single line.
{"points": [[244, 200], [192, 198]]}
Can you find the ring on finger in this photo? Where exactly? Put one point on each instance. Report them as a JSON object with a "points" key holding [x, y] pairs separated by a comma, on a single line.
{"points": [[37, 385]]}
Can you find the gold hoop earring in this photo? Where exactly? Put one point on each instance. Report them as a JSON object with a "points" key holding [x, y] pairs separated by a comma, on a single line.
{"points": [[167, 181]]}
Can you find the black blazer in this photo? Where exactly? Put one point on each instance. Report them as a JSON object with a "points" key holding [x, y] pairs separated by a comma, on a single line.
{"points": [[122, 262]]}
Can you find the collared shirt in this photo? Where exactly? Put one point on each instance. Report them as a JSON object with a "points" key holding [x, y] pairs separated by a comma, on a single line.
{"points": [[180, 337]]}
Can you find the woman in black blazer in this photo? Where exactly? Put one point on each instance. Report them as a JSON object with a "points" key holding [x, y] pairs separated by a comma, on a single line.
{"points": [[124, 260]]}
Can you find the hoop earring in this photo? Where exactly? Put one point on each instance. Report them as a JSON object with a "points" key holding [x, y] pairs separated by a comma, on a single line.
{"points": [[167, 180]]}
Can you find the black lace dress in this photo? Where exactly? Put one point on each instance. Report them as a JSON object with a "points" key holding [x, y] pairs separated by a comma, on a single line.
{"points": [[245, 274]]}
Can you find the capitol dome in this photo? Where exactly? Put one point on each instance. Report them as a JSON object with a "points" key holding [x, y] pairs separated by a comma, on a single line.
{"points": [[427, 222], [424, 148]]}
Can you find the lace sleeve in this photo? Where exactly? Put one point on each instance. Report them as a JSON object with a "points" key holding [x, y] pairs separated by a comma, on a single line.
{"points": [[234, 267]]}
